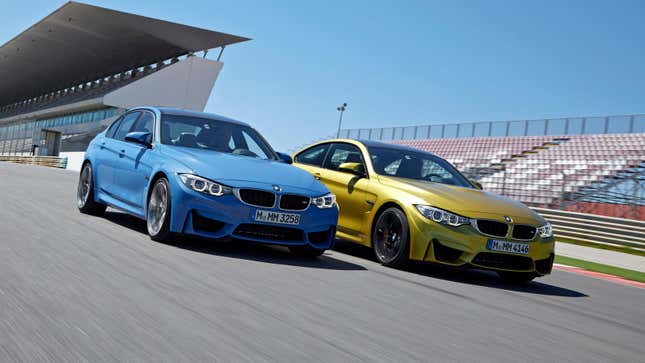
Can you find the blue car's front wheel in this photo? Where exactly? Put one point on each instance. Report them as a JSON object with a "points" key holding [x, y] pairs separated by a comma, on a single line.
{"points": [[158, 213]]}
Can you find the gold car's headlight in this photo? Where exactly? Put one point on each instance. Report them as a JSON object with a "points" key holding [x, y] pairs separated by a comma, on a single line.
{"points": [[442, 216], [545, 231]]}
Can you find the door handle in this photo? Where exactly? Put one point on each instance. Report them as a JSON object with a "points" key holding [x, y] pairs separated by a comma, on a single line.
{"points": [[316, 176], [103, 145], [122, 153]]}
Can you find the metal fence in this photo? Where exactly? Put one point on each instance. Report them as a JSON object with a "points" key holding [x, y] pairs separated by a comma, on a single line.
{"points": [[557, 126], [573, 226]]}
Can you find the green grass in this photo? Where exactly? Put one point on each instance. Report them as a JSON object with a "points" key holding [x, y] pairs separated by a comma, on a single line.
{"points": [[597, 267], [623, 249]]}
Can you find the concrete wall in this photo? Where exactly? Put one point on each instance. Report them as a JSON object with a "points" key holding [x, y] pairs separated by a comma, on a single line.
{"points": [[186, 84]]}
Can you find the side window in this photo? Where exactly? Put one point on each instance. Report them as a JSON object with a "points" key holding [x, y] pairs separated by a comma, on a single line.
{"points": [[343, 153], [115, 125], [313, 156], [392, 168], [126, 125], [145, 124], [434, 172]]}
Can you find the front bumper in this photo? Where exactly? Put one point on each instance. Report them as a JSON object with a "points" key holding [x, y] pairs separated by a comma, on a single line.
{"points": [[465, 246], [227, 217]]}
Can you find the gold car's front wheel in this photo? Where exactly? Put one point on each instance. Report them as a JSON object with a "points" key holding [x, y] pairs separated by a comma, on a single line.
{"points": [[390, 238]]}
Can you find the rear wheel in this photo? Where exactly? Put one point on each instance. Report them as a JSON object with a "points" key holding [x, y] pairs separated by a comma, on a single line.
{"points": [[158, 214], [85, 193], [390, 238], [516, 277]]}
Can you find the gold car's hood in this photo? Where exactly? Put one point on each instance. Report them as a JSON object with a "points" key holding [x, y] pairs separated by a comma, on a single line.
{"points": [[468, 202]]}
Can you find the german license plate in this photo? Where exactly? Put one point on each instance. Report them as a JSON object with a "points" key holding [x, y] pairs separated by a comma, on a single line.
{"points": [[510, 247], [277, 217]]}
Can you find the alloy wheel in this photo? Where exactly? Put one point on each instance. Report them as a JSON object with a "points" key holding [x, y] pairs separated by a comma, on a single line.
{"points": [[157, 207], [388, 237], [84, 186]]}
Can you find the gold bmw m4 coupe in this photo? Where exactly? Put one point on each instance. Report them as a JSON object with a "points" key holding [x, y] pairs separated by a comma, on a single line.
{"points": [[408, 204]]}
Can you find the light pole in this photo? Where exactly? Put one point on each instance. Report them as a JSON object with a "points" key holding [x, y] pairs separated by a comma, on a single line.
{"points": [[340, 109]]}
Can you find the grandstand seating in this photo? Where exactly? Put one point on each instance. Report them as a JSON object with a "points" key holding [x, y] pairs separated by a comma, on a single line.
{"points": [[573, 163], [543, 170], [477, 152], [78, 93]]}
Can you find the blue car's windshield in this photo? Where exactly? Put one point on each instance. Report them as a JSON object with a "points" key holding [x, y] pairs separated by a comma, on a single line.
{"points": [[415, 165], [202, 133]]}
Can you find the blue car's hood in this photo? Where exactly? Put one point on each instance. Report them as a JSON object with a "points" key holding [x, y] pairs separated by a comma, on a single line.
{"points": [[244, 171]]}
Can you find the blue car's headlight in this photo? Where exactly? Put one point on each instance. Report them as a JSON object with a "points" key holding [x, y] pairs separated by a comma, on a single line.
{"points": [[202, 185], [324, 201], [545, 231], [442, 216]]}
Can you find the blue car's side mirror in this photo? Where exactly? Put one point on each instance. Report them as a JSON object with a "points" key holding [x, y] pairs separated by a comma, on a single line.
{"points": [[139, 137], [285, 158]]}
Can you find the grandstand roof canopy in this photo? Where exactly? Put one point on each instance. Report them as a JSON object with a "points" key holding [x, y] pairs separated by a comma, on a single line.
{"points": [[80, 42]]}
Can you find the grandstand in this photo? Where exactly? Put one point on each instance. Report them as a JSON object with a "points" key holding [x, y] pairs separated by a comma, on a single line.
{"points": [[586, 168], [67, 77]]}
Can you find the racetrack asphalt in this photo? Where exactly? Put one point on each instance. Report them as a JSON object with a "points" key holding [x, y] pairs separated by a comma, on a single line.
{"points": [[80, 288]]}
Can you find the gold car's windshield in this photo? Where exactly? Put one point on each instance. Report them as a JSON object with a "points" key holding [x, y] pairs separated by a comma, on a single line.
{"points": [[415, 165]]}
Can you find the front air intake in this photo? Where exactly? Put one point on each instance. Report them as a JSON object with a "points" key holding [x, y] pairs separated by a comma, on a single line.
{"points": [[445, 253], [270, 233], [206, 224], [502, 261]]}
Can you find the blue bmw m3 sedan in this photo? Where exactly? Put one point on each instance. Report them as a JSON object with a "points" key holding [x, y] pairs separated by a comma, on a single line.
{"points": [[201, 174]]}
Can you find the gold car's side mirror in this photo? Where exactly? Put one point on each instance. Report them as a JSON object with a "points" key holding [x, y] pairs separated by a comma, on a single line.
{"points": [[477, 185], [352, 168]]}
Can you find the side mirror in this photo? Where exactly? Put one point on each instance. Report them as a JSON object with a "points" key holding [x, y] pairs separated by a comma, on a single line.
{"points": [[285, 158], [352, 168], [139, 137], [477, 185]]}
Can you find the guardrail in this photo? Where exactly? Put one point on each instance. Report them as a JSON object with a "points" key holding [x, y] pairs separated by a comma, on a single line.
{"points": [[51, 161], [616, 124], [597, 229]]}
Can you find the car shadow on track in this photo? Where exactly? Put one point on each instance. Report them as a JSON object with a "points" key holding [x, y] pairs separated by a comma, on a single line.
{"points": [[237, 248], [461, 275]]}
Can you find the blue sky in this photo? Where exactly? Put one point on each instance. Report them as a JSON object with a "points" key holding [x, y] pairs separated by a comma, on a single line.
{"points": [[406, 62]]}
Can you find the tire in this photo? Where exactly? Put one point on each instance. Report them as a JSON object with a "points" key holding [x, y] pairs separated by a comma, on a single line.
{"points": [[306, 251], [519, 278], [158, 211], [391, 238], [85, 193]]}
